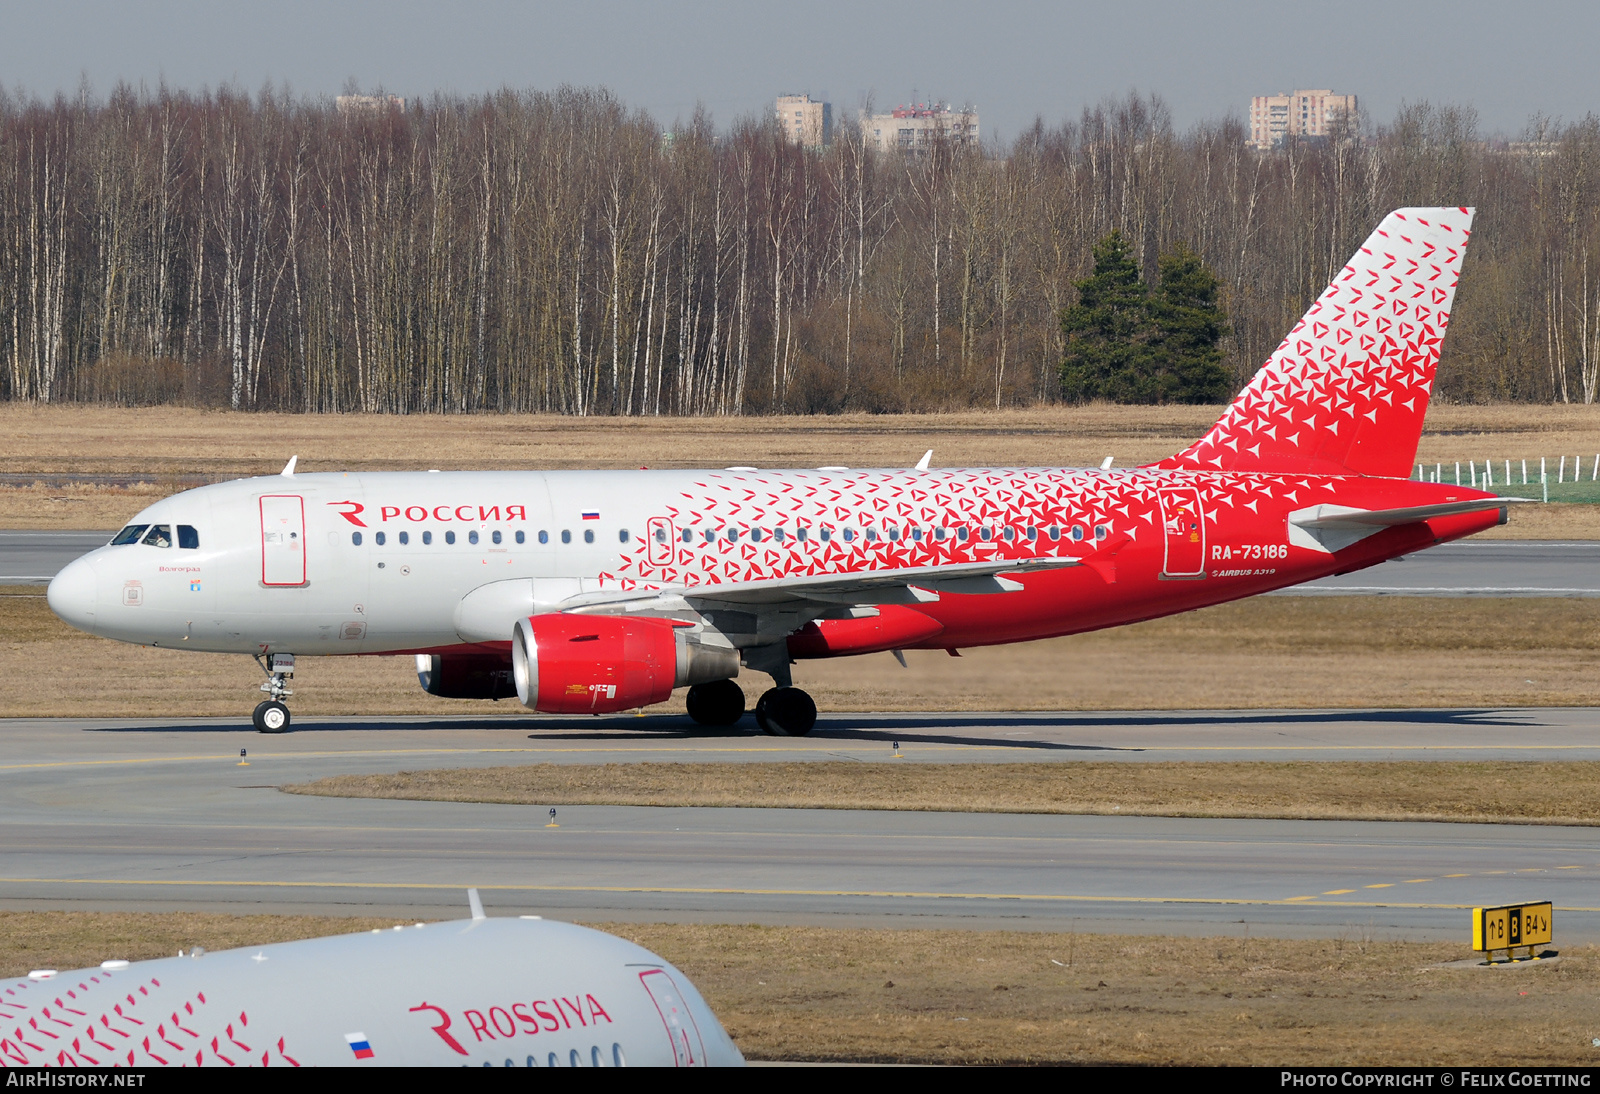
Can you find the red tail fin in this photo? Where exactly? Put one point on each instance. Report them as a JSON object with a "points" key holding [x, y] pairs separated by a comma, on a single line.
{"points": [[1348, 388]]}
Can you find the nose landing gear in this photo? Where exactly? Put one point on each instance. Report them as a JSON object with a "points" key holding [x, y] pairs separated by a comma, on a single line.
{"points": [[272, 715]]}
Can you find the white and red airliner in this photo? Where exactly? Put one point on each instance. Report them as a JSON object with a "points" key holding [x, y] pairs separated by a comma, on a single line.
{"points": [[602, 591]]}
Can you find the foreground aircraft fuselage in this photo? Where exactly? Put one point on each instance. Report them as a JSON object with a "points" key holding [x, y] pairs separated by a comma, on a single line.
{"points": [[601, 591]]}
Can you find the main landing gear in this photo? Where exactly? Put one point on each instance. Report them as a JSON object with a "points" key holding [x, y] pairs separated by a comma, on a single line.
{"points": [[718, 703], [272, 716], [781, 711], [786, 712]]}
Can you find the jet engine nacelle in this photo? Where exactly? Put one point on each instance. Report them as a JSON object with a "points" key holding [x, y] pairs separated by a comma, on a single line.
{"points": [[598, 664], [465, 675]]}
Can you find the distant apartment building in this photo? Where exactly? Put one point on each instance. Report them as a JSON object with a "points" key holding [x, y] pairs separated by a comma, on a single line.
{"points": [[369, 104], [919, 125], [1274, 118], [806, 121]]}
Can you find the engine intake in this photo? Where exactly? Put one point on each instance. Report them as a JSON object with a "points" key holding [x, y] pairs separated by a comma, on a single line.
{"points": [[597, 664]]}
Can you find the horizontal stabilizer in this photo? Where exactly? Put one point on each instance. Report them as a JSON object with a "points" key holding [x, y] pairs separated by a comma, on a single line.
{"points": [[1334, 527]]}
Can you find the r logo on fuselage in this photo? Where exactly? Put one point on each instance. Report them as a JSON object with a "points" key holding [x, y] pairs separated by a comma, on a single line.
{"points": [[351, 515]]}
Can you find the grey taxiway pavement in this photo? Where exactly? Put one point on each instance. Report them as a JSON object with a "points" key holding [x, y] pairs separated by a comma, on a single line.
{"points": [[162, 814], [1482, 568]]}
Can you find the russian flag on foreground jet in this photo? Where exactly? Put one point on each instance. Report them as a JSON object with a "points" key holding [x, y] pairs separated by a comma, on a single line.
{"points": [[509, 583]]}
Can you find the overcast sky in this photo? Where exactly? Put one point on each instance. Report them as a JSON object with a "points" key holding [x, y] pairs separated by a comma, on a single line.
{"points": [[1014, 59]]}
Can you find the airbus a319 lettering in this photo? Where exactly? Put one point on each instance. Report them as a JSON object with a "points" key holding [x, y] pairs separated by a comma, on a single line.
{"points": [[603, 591]]}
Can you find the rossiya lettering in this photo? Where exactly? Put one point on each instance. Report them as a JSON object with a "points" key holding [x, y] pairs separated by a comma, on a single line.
{"points": [[419, 513], [502, 1022]]}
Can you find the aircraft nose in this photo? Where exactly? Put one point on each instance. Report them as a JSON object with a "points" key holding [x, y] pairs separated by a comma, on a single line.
{"points": [[72, 593]]}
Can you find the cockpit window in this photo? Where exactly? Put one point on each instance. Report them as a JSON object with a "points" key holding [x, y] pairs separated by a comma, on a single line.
{"points": [[188, 538], [130, 534], [160, 535]]}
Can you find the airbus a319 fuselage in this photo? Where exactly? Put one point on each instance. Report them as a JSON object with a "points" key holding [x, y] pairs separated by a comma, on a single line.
{"points": [[601, 591]]}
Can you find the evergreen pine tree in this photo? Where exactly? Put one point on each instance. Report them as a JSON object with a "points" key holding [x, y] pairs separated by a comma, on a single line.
{"points": [[1190, 322], [1127, 344], [1108, 332]]}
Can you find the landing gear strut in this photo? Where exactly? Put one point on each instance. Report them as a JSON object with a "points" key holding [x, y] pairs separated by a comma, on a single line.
{"points": [[272, 716], [717, 703], [786, 712]]}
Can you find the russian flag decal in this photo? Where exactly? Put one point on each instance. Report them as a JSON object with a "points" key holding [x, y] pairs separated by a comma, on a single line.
{"points": [[358, 1045], [591, 514]]}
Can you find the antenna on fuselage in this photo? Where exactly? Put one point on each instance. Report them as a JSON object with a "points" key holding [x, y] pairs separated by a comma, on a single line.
{"points": [[922, 464], [1105, 464], [288, 468]]}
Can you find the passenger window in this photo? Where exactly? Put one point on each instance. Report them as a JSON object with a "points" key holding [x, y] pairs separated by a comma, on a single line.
{"points": [[755, 535], [449, 537], [472, 536], [623, 536], [355, 538], [777, 535], [711, 534], [872, 535], [588, 535], [688, 535], [894, 535], [986, 534], [427, 538], [130, 534], [379, 539], [826, 534], [188, 538], [849, 535], [1010, 534], [938, 535], [405, 538], [160, 535], [522, 537], [916, 535], [1077, 533], [800, 534], [1033, 533], [661, 535], [1055, 531], [1101, 531], [962, 533], [544, 537], [566, 535], [495, 535], [733, 535]]}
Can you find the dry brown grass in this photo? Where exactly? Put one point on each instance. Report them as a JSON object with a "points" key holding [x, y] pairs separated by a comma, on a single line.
{"points": [[1263, 653], [809, 993], [80, 940], [164, 441], [1533, 793]]}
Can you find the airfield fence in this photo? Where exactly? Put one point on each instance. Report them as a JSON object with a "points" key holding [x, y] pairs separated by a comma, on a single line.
{"points": [[1559, 478]]}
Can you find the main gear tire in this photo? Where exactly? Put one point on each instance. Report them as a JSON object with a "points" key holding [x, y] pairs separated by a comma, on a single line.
{"points": [[718, 704], [271, 717], [786, 712]]}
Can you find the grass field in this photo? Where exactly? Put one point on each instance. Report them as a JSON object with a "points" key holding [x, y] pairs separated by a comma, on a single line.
{"points": [[156, 445], [1522, 792], [808, 993], [1268, 652]]}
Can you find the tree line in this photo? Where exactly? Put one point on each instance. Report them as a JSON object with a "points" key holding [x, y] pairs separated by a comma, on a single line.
{"points": [[559, 252]]}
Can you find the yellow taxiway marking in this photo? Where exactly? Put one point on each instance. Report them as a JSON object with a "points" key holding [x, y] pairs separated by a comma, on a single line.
{"points": [[1417, 880], [1380, 885], [733, 891], [1337, 892], [1569, 867], [1458, 875]]}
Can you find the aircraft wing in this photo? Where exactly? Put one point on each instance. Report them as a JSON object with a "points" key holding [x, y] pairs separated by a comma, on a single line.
{"points": [[906, 585]]}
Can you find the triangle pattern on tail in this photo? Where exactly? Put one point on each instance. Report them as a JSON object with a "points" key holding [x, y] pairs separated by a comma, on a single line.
{"points": [[1347, 390]]}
